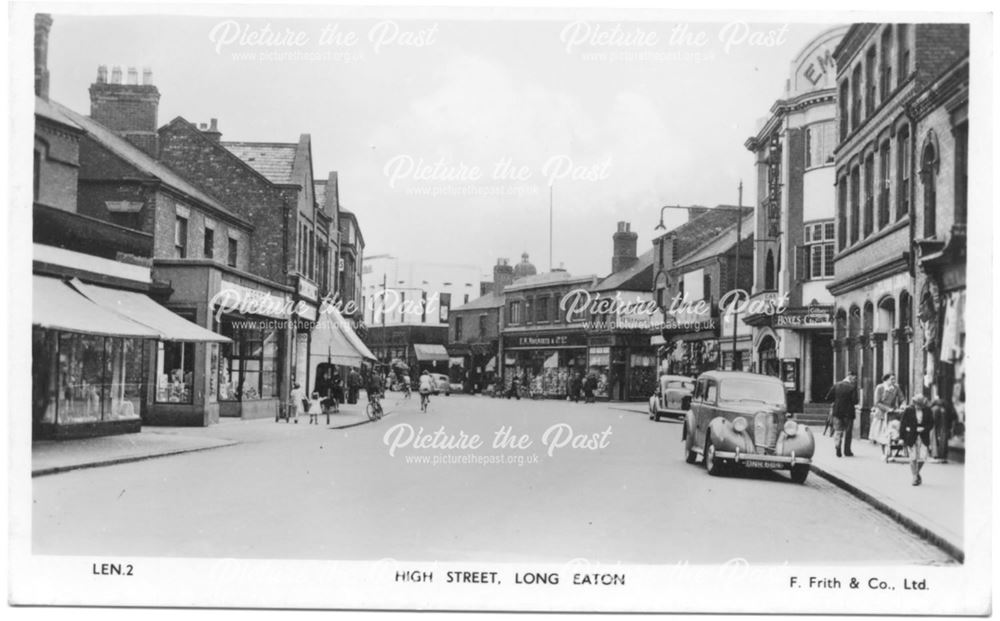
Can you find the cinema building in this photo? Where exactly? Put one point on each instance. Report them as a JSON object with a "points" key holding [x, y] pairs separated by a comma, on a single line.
{"points": [[795, 227]]}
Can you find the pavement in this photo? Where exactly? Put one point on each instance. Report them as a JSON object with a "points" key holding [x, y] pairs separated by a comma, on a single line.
{"points": [[928, 509], [55, 456]]}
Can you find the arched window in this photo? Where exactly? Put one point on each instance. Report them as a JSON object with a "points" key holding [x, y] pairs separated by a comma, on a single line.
{"points": [[928, 162], [769, 279]]}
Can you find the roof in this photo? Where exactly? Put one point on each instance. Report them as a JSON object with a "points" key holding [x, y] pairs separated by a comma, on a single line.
{"points": [[274, 160], [141, 160], [46, 110], [319, 191], [695, 233], [741, 374], [483, 302], [621, 278], [546, 278]]}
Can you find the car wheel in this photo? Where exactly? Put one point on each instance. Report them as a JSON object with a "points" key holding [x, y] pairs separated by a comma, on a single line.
{"points": [[690, 455], [800, 472], [712, 464]]}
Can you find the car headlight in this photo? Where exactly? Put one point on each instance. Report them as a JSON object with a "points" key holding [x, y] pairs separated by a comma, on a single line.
{"points": [[791, 427], [740, 424]]}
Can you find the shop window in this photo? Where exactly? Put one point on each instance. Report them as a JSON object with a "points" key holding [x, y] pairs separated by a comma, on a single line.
{"points": [[174, 372], [127, 368], [99, 378], [44, 393], [180, 237], [209, 251], [599, 362], [248, 366]]}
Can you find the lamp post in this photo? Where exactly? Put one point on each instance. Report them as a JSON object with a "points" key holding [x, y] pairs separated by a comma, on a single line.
{"points": [[739, 235]]}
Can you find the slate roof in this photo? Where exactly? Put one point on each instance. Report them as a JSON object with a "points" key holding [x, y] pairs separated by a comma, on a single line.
{"points": [[619, 279], [545, 278], [692, 235], [483, 302], [46, 109], [140, 160], [274, 160]]}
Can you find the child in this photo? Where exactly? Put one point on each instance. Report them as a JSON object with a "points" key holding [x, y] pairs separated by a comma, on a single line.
{"points": [[315, 408], [297, 404]]}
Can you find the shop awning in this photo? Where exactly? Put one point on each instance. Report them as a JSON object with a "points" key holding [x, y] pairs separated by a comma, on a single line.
{"points": [[491, 365], [430, 353], [168, 325], [57, 306], [332, 341]]}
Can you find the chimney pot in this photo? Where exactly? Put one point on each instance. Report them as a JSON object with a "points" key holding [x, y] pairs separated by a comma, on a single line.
{"points": [[133, 76], [214, 125], [102, 74], [116, 74], [147, 76]]}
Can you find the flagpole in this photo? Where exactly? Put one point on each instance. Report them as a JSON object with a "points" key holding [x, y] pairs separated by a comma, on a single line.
{"points": [[550, 227]]}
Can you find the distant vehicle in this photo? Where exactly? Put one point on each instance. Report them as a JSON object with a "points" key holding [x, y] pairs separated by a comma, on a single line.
{"points": [[741, 420], [441, 384], [672, 397]]}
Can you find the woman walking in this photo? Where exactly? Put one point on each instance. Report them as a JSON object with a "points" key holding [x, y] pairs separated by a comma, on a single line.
{"points": [[888, 397]]}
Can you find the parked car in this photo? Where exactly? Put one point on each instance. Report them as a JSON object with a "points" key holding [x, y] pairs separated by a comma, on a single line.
{"points": [[441, 384], [672, 397], [741, 420]]}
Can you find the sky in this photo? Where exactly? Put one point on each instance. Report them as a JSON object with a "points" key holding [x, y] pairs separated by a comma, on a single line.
{"points": [[448, 131]]}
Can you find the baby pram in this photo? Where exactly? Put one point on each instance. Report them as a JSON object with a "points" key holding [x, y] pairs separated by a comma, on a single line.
{"points": [[894, 448]]}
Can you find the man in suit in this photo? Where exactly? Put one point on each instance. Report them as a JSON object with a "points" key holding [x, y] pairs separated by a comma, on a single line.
{"points": [[845, 396], [915, 430]]}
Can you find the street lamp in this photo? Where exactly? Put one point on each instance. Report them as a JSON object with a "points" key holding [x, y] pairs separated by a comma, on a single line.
{"points": [[739, 235]]}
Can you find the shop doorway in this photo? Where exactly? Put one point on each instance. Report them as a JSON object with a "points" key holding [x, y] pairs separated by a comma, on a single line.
{"points": [[821, 367]]}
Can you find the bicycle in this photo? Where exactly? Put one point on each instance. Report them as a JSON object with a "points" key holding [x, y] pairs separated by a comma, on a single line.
{"points": [[374, 408]]}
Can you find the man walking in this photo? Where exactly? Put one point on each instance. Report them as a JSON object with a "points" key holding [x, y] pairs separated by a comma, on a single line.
{"points": [[915, 429], [845, 396]]}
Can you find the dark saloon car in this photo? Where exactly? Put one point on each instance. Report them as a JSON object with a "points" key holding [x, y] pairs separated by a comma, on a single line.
{"points": [[740, 420], [672, 397]]}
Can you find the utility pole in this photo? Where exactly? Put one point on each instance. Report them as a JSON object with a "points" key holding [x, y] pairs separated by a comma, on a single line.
{"points": [[551, 188], [384, 276], [737, 363]]}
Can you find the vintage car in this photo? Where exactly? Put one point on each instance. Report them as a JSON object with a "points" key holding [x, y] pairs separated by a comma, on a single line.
{"points": [[441, 384], [740, 420], [672, 397]]}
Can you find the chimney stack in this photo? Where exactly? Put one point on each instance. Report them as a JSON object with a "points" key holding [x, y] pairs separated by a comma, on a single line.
{"points": [[212, 131], [129, 109], [43, 24], [503, 275], [624, 256]]}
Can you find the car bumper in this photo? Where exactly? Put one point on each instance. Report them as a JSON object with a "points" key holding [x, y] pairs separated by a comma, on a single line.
{"points": [[757, 460], [671, 412]]}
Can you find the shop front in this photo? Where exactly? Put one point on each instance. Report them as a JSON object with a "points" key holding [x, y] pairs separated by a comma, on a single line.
{"points": [[625, 365], [545, 362], [431, 357]]}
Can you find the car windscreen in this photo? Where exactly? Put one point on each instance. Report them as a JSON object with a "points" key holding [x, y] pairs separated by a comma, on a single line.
{"points": [[746, 389], [673, 385]]}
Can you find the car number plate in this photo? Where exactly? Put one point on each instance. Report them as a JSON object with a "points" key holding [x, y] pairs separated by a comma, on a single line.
{"points": [[756, 463]]}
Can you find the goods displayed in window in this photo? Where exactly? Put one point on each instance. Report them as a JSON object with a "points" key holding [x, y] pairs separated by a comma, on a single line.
{"points": [[174, 372], [248, 366]]}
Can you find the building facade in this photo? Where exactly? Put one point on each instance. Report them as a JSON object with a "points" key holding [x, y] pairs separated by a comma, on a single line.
{"points": [[795, 225], [474, 331], [881, 68]]}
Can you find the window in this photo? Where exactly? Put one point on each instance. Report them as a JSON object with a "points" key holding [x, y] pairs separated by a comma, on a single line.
{"points": [[870, 82], [465, 299], [961, 172], [885, 77], [842, 212], [37, 180], [883, 186], [529, 310], [855, 204], [856, 97], [180, 237], [820, 142], [233, 252], [869, 222], [769, 278], [928, 174], [97, 378], [514, 312], [542, 309], [482, 325], [711, 391], [844, 97], [903, 173], [248, 367], [312, 256], [174, 372], [902, 52], [706, 287], [458, 328], [819, 249], [209, 251]]}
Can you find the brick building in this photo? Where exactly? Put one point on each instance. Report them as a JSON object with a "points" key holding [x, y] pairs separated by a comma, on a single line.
{"points": [[881, 68], [795, 229], [696, 262], [474, 329]]}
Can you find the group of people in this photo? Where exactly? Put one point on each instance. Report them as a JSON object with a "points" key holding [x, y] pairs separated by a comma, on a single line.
{"points": [[913, 427], [578, 384]]}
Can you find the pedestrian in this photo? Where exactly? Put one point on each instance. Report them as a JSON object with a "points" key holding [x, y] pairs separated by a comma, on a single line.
{"points": [[915, 429], [589, 385], [315, 409], [944, 418], [574, 387], [353, 386], [514, 390], [845, 396], [298, 401], [888, 397], [337, 392]]}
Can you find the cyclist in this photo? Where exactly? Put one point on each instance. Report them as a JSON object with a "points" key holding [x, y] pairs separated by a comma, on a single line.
{"points": [[374, 388], [426, 386]]}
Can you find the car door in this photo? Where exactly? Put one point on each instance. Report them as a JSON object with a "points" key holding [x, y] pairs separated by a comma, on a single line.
{"points": [[698, 411]]}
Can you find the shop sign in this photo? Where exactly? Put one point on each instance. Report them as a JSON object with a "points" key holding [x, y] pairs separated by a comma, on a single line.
{"points": [[308, 289], [233, 297], [812, 317], [542, 341]]}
